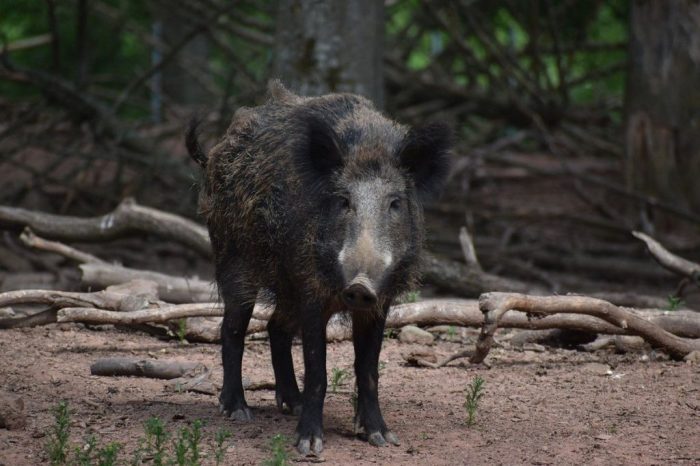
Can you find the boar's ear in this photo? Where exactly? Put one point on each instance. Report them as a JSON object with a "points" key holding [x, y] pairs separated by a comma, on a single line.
{"points": [[320, 152], [425, 153]]}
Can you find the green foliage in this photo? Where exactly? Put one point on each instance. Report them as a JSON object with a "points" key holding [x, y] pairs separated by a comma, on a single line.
{"points": [[156, 438], [182, 330], [409, 297], [338, 377], [279, 453], [475, 391], [186, 447], [675, 302], [221, 436], [107, 456], [83, 455], [552, 44], [452, 332], [58, 439]]}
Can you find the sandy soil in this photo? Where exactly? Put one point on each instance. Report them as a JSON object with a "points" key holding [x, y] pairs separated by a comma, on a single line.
{"points": [[549, 407]]}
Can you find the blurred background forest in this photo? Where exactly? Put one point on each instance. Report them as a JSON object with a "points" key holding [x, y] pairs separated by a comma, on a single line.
{"points": [[576, 120]]}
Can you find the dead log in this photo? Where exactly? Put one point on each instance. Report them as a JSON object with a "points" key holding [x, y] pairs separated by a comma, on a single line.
{"points": [[496, 305], [127, 297], [88, 315], [152, 368], [170, 288], [129, 217]]}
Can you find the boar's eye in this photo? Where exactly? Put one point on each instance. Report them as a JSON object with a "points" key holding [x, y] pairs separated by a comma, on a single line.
{"points": [[395, 204], [343, 203]]}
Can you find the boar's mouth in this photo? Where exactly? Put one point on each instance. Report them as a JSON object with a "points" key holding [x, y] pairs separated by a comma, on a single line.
{"points": [[360, 294]]}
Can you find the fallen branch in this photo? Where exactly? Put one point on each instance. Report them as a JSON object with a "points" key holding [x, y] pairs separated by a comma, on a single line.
{"points": [[668, 260], [152, 368], [496, 305], [170, 288], [33, 241], [128, 217], [465, 241], [126, 297]]}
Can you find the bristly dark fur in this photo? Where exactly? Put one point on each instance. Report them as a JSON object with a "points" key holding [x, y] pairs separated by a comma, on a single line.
{"points": [[276, 201]]}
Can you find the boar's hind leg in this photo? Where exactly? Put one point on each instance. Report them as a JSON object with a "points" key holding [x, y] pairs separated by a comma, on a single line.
{"points": [[238, 307], [367, 334], [286, 388], [310, 426]]}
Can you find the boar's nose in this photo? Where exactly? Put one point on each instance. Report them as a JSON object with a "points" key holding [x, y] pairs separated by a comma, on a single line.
{"points": [[359, 294]]}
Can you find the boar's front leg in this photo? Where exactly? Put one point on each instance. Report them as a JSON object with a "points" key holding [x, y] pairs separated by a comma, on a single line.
{"points": [[367, 335], [310, 427], [238, 307]]}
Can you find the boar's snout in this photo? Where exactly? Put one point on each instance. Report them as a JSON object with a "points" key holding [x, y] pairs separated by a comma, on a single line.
{"points": [[360, 294]]}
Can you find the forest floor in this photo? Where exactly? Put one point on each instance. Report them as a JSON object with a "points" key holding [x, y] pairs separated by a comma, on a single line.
{"points": [[541, 406]]}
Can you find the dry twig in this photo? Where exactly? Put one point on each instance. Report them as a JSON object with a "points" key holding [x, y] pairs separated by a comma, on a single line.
{"points": [[668, 260], [495, 305]]}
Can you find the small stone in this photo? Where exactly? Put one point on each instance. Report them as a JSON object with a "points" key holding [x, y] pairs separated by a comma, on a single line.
{"points": [[536, 347], [12, 414], [597, 368], [413, 334], [692, 357]]}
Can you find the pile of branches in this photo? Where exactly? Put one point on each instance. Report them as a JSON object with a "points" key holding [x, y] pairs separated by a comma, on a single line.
{"points": [[158, 302]]}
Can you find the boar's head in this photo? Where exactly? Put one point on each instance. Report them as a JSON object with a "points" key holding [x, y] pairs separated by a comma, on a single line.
{"points": [[369, 178]]}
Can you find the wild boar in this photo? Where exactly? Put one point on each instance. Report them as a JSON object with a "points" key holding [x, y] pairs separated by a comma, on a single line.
{"points": [[318, 202]]}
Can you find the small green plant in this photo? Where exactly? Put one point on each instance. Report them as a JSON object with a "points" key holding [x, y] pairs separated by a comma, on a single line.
{"points": [[338, 376], [675, 302], [58, 440], [409, 297], [221, 436], [107, 456], [182, 330], [156, 438], [452, 332], [83, 455], [186, 447], [180, 447], [475, 392], [194, 437], [279, 454]]}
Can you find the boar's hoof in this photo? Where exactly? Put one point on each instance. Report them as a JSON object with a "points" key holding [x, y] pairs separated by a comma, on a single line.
{"points": [[307, 446], [379, 440], [287, 407], [241, 414]]}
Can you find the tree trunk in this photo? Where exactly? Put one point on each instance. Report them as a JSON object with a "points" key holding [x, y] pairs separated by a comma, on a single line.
{"points": [[324, 47], [178, 85], [663, 101]]}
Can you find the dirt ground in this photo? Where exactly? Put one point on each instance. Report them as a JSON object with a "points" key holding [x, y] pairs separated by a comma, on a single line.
{"points": [[550, 406]]}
